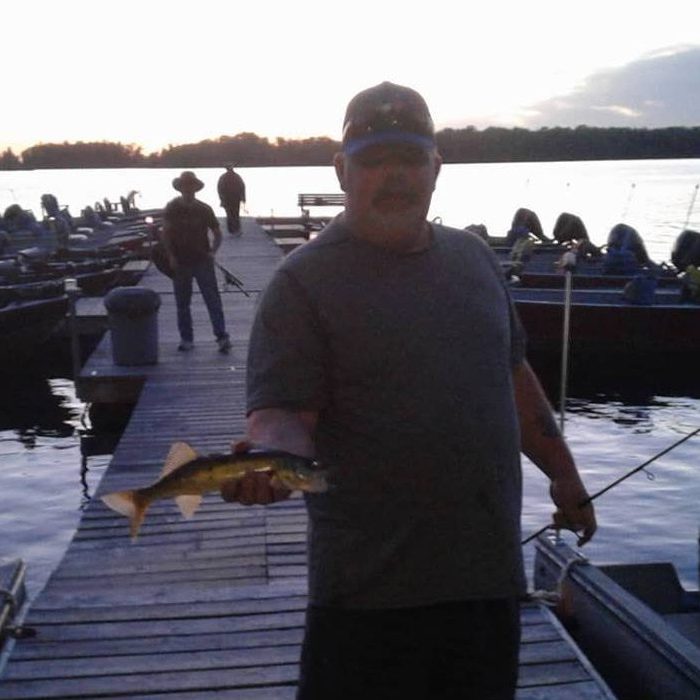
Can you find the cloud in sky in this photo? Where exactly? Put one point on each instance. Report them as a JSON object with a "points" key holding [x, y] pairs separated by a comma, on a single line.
{"points": [[658, 90]]}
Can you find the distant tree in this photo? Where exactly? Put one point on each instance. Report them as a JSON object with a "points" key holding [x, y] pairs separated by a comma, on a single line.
{"points": [[101, 154], [9, 161], [466, 145]]}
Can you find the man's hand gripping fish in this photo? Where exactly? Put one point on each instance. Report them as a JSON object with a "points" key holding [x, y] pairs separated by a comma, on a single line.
{"points": [[187, 476]]}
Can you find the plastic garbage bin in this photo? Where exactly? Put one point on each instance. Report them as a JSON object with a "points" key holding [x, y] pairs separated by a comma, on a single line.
{"points": [[133, 323]]}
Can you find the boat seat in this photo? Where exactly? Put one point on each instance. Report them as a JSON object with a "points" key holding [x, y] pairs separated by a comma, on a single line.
{"points": [[688, 624], [657, 585]]}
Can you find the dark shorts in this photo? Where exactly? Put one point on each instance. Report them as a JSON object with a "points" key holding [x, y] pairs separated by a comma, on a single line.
{"points": [[448, 651]]}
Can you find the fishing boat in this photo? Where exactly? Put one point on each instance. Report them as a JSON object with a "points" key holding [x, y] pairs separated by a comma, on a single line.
{"points": [[541, 266], [22, 273], [613, 344], [74, 238], [604, 322], [533, 263], [635, 622], [590, 277]]}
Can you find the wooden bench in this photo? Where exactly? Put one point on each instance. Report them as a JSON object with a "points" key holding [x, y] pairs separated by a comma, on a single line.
{"points": [[336, 199]]}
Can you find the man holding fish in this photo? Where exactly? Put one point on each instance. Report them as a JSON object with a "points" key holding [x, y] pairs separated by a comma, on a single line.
{"points": [[388, 349]]}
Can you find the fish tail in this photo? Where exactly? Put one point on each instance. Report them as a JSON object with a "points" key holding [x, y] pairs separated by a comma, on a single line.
{"points": [[133, 504]]}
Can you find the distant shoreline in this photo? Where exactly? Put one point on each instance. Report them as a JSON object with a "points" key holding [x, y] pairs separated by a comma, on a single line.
{"points": [[468, 145], [143, 166]]}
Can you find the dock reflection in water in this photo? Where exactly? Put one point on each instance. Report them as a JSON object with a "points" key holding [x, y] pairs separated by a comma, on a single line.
{"points": [[44, 479]]}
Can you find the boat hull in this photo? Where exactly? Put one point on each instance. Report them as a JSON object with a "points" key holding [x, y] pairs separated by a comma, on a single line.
{"points": [[602, 323], [586, 280]]}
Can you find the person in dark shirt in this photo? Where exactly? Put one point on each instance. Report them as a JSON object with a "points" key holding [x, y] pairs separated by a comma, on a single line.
{"points": [[231, 190], [186, 227]]}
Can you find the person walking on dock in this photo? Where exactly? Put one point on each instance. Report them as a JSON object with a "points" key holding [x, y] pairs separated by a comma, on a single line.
{"points": [[388, 348], [186, 225], [231, 190]]}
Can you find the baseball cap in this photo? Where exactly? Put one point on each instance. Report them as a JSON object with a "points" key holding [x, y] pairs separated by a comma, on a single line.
{"points": [[387, 113]]}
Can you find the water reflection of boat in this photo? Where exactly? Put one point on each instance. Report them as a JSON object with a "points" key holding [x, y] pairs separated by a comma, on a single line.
{"points": [[27, 323], [635, 622]]}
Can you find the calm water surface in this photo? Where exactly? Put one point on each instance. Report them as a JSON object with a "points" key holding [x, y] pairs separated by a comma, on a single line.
{"points": [[44, 481]]}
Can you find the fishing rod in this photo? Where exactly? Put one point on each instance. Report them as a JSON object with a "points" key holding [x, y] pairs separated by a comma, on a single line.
{"points": [[569, 265], [231, 279], [691, 207], [624, 477], [625, 211]]}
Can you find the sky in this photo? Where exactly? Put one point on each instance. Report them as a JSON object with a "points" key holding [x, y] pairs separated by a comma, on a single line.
{"points": [[153, 73]]}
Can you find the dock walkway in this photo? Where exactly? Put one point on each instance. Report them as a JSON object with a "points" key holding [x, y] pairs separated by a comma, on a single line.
{"points": [[213, 606]]}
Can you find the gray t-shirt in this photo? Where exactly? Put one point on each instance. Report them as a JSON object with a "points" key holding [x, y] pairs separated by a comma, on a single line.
{"points": [[408, 360]]}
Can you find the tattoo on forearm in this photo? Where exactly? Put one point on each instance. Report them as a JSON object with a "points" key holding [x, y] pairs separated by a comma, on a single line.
{"points": [[546, 423]]}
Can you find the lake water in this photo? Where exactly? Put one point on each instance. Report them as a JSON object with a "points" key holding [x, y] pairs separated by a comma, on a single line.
{"points": [[45, 481]]}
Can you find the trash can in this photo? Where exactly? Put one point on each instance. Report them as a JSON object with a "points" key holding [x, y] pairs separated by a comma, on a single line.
{"points": [[133, 323]]}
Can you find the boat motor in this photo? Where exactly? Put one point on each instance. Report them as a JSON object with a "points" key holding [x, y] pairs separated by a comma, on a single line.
{"points": [[569, 227], [525, 223], [686, 250], [624, 237]]}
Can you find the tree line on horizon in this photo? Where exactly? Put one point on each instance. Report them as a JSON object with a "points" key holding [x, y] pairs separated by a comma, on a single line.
{"points": [[467, 145]]}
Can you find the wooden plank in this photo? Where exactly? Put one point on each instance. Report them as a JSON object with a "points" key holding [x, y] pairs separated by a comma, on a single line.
{"points": [[550, 674], [581, 690], [68, 615], [153, 662], [182, 644], [158, 595], [212, 681], [282, 692], [156, 628]]}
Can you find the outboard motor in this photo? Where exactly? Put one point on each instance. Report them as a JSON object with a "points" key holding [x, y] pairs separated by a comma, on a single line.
{"points": [[4, 242], [91, 218], [524, 222], [14, 217], [50, 204], [624, 237], [686, 250], [569, 227]]}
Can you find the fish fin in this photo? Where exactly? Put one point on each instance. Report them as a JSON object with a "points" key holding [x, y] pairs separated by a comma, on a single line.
{"points": [[121, 502], [131, 504], [180, 453], [188, 504]]}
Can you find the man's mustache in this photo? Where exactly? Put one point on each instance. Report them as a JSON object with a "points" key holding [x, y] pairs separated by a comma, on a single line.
{"points": [[390, 193]]}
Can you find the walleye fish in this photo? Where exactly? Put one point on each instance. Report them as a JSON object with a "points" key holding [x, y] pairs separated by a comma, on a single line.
{"points": [[187, 476]]}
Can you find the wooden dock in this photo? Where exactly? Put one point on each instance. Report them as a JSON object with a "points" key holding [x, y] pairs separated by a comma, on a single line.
{"points": [[213, 606]]}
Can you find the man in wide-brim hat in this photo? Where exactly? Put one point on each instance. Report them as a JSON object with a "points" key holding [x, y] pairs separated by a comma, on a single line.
{"points": [[186, 228], [188, 181]]}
